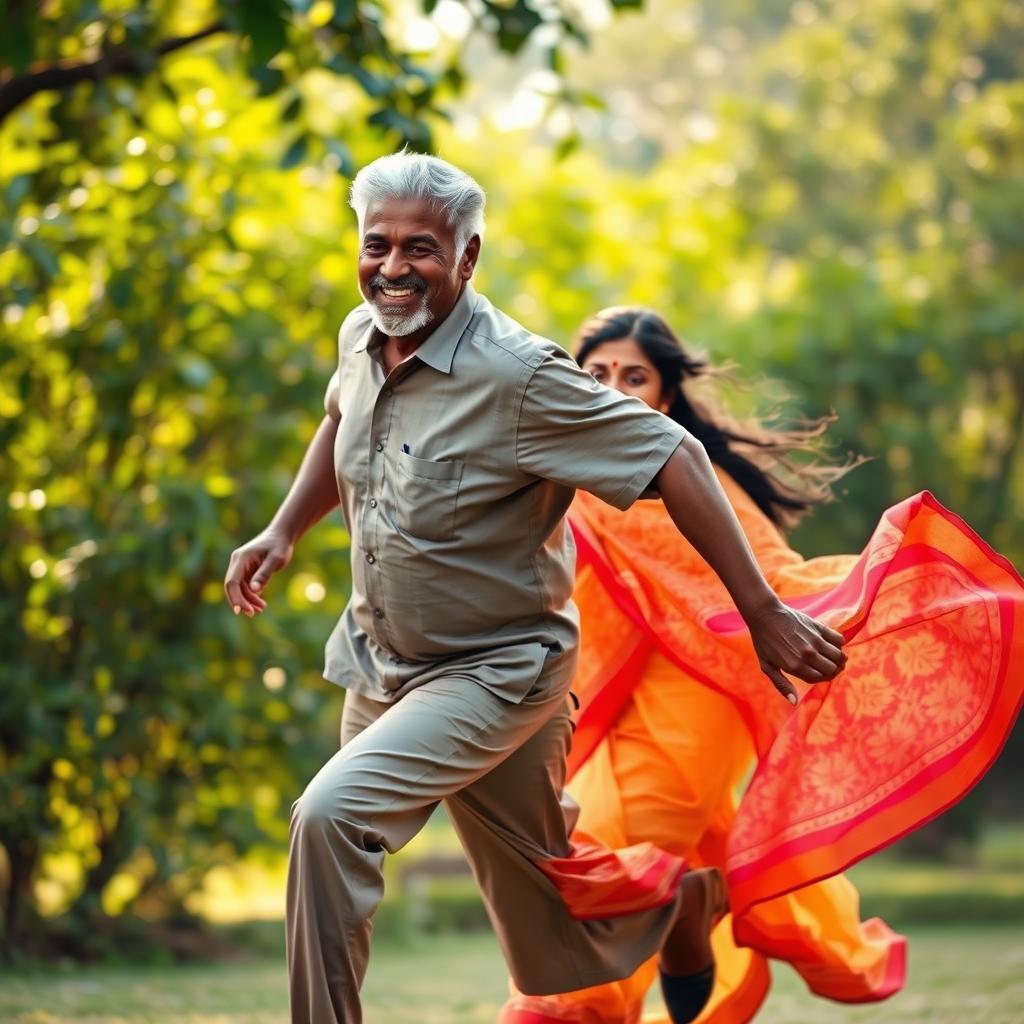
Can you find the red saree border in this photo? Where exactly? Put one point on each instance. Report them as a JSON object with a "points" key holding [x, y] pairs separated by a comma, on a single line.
{"points": [[1006, 617], [595, 883], [818, 854]]}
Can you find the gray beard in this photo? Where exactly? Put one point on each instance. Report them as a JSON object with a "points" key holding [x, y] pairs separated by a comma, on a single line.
{"points": [[398, 325]]}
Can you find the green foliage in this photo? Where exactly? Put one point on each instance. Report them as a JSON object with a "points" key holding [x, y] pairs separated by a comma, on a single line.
{"points": [[82, 46], [147, 734]]}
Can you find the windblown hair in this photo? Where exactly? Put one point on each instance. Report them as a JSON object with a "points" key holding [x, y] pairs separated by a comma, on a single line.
{"points": [[404, 175], [757, 456]]}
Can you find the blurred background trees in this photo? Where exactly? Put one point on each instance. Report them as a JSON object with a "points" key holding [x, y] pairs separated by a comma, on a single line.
{"points": [[828, 194]]}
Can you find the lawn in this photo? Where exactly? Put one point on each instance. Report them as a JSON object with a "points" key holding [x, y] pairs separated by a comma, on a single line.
{"points": [[957, 976]]}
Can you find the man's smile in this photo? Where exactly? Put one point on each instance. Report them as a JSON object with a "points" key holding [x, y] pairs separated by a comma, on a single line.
{"points": [[396, 295]]}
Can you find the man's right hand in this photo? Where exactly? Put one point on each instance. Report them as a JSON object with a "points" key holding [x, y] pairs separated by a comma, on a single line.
{"points": [[251, 566]]}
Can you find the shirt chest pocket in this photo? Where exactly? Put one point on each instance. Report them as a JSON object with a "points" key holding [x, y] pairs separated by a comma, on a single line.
{"points": [[424, 495]]}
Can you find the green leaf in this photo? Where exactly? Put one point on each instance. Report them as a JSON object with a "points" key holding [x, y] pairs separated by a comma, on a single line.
{"points": [[264, 22], [373, 84], [18, 38], [295, 154], [17, 190], [268, 80], [44, 260], [120, 289], [566, 146], [344, 13], [413, 132], [346, 165]]}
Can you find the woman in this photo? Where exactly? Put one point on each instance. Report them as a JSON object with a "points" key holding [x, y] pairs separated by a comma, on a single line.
{"points": [[673, 712]]}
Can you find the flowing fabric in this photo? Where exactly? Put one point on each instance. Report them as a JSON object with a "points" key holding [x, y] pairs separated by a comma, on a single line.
{"points": [[934, 623], [674, 710], [667, 773], [661, 751]]}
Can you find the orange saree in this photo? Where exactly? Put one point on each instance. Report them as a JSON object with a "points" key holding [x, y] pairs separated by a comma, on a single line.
{"points": [[934, 621]]}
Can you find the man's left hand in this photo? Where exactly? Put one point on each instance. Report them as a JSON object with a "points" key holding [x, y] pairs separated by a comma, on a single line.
{"points": [[789, 641]]}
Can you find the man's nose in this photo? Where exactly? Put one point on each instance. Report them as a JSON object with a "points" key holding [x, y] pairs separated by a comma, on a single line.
{"points": [[395, 265]]}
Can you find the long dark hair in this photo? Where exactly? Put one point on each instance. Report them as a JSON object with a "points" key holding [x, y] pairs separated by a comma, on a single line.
{"points": [[757, 456]]}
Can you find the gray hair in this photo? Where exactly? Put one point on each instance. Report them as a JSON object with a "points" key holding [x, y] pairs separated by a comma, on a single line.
{"points": [[450, 191]]}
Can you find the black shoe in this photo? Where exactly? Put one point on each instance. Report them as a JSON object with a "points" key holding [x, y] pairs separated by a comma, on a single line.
{"points": [[687, 994]]}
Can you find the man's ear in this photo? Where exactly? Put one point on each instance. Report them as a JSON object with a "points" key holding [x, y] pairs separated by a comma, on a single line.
{"points": [[469, 258]]}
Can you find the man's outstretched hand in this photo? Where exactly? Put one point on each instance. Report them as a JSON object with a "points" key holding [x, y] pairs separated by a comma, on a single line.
{"points": [[251, 566], [789, 641]]}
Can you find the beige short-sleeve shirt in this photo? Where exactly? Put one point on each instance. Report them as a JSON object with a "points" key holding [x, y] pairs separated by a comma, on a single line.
{"points": [[455, 473]]}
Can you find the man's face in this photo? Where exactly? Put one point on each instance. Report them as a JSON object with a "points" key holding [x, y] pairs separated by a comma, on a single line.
{"points": [[409, 270]]}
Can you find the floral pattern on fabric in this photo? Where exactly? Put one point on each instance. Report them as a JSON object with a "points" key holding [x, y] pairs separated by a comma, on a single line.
{"points": [[934, 621]]}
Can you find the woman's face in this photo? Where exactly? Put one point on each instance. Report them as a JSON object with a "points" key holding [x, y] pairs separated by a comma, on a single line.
{"points": [[621, 364]]}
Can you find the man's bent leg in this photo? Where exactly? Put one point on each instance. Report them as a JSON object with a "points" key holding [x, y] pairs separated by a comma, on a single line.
{"points": [[334, 886], [371, 798], [604, 911]]}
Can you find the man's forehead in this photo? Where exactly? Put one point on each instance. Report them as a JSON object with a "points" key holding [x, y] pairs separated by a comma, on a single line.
{"points": [[405, 216]]}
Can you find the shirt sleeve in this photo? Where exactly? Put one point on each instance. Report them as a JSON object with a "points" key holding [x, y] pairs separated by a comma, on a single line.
{"points": [[353, 324], [578, 433], [331, 397]]}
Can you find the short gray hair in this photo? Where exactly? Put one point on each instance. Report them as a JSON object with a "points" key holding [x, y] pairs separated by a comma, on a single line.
{"points": [[415, 176]]}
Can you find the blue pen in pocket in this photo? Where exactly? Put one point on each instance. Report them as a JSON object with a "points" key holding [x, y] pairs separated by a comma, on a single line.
{"points": [[405, 448]]}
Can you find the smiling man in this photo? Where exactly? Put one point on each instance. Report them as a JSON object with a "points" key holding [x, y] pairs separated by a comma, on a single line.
{"points": [[454, 440]]}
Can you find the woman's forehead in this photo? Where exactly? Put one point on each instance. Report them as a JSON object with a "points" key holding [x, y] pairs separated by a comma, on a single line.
{"points": [[621, 352]]}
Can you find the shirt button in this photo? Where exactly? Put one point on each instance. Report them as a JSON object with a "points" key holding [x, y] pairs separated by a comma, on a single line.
{"points": [[380, 446], [370, 557], [388, 392], [378, 613], [373, 503]]}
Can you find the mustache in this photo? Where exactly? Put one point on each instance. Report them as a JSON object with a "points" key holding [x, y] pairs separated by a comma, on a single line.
{"points": [[409, 281]]}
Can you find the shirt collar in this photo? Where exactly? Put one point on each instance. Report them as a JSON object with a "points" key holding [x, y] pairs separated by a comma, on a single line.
{"points": [[438, 350]]}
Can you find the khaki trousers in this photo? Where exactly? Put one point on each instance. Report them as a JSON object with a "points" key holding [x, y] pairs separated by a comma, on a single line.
{"points": [[499, 768]]}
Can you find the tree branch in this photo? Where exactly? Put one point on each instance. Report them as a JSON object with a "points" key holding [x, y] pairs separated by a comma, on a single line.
{"points": [[19, 89]]}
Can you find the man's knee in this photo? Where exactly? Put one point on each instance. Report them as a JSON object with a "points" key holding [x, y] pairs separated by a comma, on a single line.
{"points": [[311, 812], [343, 806]]}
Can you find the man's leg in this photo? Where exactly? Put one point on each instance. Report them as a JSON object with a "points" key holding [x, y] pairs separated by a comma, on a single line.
{"points": [[326, 958], [663, 774], [371, 798], [564, 921]]}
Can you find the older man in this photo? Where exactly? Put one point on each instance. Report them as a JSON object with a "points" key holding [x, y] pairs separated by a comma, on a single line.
{"points": [[455, 439]]}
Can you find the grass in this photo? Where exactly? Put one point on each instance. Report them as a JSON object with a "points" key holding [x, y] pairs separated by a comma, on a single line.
{"points": [[957, 976], [966, 929]]}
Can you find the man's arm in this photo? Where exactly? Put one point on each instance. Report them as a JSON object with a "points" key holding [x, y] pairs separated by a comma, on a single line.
{"points": [[312, 495], [784, 639]]}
